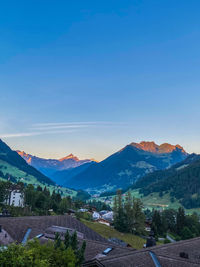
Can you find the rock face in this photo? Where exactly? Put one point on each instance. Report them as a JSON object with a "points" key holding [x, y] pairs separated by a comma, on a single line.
{"points": [[157, 149], [128, 165], [50, 166]]}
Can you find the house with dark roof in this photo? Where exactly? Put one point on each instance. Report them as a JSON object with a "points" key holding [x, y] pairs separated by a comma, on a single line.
{"points": [[99, 251], [180, 254]]}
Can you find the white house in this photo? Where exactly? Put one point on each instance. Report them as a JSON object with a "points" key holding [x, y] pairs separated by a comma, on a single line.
{"points": [[108, 216], [96, 215], [15, 198]]}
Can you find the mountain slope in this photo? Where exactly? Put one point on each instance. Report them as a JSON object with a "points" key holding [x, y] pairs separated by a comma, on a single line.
{"points": [[157, 176], [13, 159], [62, 177], [183, 182], [128, 165], [14, 168], [50, 166]]}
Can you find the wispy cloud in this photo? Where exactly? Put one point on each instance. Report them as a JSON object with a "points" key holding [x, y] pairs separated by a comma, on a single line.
{"points": [[56, 128], [49, 124], [12, 135]]}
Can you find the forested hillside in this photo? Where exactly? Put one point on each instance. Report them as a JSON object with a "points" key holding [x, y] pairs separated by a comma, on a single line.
{"points": [[181, 181]]}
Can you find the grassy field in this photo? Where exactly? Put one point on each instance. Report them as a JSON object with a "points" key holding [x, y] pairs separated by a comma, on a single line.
{"points": [[29, 179], [107, 232], [153, 201]]}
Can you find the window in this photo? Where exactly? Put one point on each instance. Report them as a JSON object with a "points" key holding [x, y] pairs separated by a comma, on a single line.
{"points": [[107, 250]]}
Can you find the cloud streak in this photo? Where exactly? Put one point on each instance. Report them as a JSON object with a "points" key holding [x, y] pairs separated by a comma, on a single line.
{"points": [[13, 135], [56, 128]]}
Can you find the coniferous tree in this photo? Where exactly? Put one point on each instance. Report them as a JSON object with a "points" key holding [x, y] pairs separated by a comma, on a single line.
{"points": [[57, 242], [156, 223], [138, 216], [128, 207], [67, 240], [74, 241], [180, 220], [120, 218], [81, 253]]}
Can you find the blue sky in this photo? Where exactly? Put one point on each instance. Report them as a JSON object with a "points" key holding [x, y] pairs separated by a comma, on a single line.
{"points": [[88, 77]]}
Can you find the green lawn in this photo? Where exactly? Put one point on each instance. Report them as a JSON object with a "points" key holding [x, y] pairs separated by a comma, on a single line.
{"points": [[107, 232]]}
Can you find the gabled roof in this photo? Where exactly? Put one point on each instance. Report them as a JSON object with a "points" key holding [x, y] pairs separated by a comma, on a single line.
{"points": [[167, 255], [17, 226]]}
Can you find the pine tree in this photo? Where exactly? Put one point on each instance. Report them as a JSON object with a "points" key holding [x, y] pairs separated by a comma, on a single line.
{"points": [[57, 242], [128, 207], [120, 217], [138, 217], [74, 241], [156, 223], [81, 252], [180, 220], [67, 240]]}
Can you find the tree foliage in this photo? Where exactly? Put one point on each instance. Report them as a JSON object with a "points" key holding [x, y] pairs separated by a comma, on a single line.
{"points": [[182, 226], [37, 255], [128, 216]]}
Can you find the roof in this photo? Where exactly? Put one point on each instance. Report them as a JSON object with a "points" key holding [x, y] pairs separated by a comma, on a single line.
{"points": [[18, 226], [50, 231], [118, 242], [168, 256], [94, 249]]}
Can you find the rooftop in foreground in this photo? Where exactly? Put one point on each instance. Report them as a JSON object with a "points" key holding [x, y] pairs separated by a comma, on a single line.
{"points": [[100, 252]]}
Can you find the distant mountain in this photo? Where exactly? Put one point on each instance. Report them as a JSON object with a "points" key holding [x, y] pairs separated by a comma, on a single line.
{"points": [[50, 166], [182, 181], [128, 165], [15, 167], [62, 177]]}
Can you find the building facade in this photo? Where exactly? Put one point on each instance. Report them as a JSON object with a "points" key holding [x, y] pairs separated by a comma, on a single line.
{"points": [[15, 198]]}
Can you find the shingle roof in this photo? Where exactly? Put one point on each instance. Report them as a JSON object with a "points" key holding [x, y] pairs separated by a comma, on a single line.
{"points": [[94, 249], [17, 226], [168, 256]]}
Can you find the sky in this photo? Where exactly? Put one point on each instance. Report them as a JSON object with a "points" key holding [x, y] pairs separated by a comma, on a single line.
{"points": [[89, 77]]}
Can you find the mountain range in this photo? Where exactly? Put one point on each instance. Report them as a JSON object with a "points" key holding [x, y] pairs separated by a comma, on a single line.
{"points": [[164, 169], [121, 169], [50, 166], [128, 165]]}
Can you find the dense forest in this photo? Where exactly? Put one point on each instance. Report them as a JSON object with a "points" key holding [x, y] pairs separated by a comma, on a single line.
{"points": [[182, 181]]}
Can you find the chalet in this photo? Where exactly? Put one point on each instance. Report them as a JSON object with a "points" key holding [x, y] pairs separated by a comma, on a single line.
{"points": [[15, 197]]}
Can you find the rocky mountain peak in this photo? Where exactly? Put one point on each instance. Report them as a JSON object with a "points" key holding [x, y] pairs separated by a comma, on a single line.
{"points": [[159, 149], [70, 156]]}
